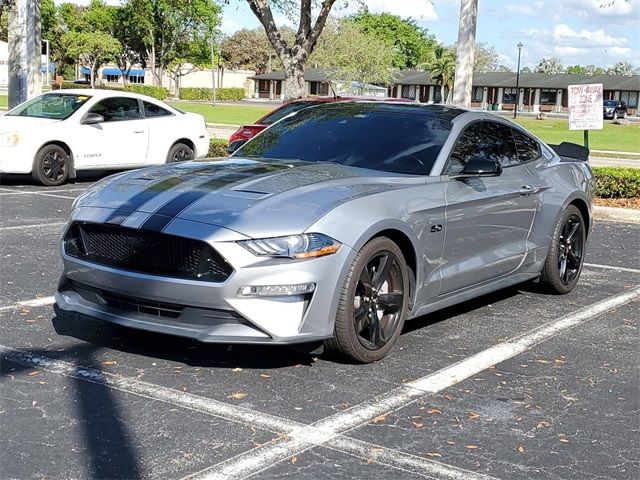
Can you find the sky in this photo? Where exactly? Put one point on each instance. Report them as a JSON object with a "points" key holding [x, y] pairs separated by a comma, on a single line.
{"points": [[580, 32]]}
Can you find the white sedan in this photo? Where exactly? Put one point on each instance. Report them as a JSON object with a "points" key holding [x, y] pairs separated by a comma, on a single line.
{"points": [[56, 134]]}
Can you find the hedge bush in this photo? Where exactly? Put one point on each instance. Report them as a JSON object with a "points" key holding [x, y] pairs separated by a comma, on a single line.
{"points": [[222, 94], [617, 182], [217, 148], [68, 85], [159, 93]]}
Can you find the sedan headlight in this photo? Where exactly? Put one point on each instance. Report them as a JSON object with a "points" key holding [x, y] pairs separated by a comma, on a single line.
{"points": [[306, 245], [10, 139]]}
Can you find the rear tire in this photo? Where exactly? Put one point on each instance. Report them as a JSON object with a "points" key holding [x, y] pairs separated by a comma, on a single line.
{"points": [[180, 152], [373, 303], [565, 258], [51, 166]]}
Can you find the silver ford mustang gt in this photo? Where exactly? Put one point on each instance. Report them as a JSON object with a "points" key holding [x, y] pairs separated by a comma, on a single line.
{"points": [[335, 225]]}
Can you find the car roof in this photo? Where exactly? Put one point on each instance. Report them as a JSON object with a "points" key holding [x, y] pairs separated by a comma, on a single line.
{"points": [[444, 112], [101, 93]]}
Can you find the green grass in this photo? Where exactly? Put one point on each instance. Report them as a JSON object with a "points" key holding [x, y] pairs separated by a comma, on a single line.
{"points": [[4, 101], [624, 138], [225, 114]]}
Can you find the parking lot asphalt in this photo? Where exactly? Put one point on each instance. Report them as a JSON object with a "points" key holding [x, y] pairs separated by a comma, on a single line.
{"points": [[516, 384]]}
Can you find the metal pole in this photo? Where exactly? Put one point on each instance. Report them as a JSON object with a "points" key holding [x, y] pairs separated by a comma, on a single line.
{"points": [[586, 138], [515, 108], [213, 67], [48, 77]]}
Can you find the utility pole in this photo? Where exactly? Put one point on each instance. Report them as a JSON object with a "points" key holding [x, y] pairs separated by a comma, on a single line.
{"points": [[25, 51], [213, 65], [515, 109], [465, 52]]}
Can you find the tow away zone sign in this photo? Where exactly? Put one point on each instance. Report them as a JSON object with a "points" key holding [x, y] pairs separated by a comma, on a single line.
{"points": [[585, 107]]}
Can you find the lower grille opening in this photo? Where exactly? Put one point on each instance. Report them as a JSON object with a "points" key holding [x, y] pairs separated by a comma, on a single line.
{"points": [[145, 251]]}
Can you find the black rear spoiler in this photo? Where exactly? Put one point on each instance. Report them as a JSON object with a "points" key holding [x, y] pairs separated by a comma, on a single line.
{"points": [[571, 151]]}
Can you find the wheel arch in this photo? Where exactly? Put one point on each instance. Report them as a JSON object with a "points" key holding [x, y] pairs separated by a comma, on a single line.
{"points": [[186, 141], [68, 151], [581, 205]]}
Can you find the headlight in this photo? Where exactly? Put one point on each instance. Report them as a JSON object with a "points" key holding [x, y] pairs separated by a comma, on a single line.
{"points": [[307, 245], [10, 139]]}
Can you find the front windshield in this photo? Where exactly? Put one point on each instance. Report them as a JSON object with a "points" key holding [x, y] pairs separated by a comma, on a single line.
{"points": [[280, 113], [56, 106], [379, 137], [610, 103]]}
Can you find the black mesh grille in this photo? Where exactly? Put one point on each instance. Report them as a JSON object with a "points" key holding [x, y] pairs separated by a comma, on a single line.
{"points": [[146, 251]]}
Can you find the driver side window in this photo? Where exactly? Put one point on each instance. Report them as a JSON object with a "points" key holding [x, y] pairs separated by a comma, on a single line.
{"points": [[485, 139]]}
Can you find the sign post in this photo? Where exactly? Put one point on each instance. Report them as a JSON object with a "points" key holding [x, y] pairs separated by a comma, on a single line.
{"points": [[585, 108]]}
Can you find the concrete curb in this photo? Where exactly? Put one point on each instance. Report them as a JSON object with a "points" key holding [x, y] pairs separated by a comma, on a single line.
{"points": [[629, 215]]}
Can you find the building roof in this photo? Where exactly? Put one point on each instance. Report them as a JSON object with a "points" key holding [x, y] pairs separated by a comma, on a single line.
{"points": [[489, 79]]}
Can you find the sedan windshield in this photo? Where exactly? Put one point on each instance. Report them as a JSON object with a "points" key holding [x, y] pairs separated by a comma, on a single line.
{"points": [[57, 106], [610, 103], [379, 137]]}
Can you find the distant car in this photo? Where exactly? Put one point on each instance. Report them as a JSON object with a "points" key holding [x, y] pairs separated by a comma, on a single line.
{"points": [[56, 134], [82, 81], [614, 109], [247, 132]]}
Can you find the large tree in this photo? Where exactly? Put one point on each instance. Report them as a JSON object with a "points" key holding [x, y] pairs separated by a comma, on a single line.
{"points": [[166, 23], [550, 66], [576, 70], [413, 44], [620, 68], [248, 50], [485, 58], [442, 69], [293, 54], [351, 55], [93, 49]]}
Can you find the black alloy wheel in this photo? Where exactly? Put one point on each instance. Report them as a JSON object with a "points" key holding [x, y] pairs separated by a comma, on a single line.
{"points": [[373, 303], [565, 258], [51, 166], [180, 153]]}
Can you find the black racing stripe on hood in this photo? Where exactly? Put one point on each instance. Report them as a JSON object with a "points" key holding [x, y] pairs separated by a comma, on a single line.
{"points": [[118, 216], [161, 217]]}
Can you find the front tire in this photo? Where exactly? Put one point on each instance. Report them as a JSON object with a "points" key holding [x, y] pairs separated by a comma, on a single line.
{"points": [[565, 258], [180, 152], [51, 166], [373, 303]]}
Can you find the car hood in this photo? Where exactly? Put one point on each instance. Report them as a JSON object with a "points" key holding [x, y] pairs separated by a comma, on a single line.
{"points": [[11, 123], [254, 198]]}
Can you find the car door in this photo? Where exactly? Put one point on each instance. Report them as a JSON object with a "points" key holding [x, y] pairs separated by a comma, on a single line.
{"points": [[164, 130], [122, 139], [487, 219]]}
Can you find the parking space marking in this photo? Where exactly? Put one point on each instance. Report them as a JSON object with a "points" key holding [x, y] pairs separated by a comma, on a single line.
{"points": [[612, 267], [321, 432], [38, 225], [36, 302], [285, 428], [7, 191]]}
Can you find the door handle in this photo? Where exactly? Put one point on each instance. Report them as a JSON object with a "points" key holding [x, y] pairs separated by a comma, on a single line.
{"points": [[528, 190]]}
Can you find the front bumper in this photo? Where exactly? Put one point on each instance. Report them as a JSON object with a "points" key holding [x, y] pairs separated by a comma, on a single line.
{"points": [[208, 311], [15, 159]]}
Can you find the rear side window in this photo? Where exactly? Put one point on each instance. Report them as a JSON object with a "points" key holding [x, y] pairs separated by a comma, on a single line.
{"points": [[489, 140], [117, 109], [528, 149], [286, 110], [151, 110]]}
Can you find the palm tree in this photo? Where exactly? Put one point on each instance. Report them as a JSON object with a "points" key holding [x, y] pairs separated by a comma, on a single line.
{"points": [[442, 69]]}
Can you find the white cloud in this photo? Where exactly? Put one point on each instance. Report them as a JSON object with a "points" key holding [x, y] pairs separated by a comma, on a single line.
{"points": [[564, 35]]}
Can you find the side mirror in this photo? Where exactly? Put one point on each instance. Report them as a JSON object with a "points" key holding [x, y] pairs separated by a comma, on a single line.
{"points": [[92, 119], [480, 167], [233, 146]]}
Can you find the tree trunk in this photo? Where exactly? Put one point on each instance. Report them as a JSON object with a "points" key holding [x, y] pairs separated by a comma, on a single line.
{"points": [[442, 99], [465, 50], [294, 85]]}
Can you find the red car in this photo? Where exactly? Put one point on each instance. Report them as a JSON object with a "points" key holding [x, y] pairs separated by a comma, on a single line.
{"points": [[249, 131]]}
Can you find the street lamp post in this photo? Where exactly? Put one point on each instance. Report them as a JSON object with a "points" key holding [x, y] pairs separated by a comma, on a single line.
{"points": [[213, 66], [515, 107], [48, 60]]}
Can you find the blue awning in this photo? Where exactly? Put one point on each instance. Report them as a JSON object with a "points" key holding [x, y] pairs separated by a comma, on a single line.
{"points": [[136, 72], [85, 71], [52, 68], [111, 71]]}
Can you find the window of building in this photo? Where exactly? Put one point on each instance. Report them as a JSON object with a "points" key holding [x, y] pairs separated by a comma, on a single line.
{"points": [[630, 98], [112, 78], [151, 110], [548, 96], [509, 95], [477, 94], [409, 92], [136, 79], [318, 88], [117, 109]]}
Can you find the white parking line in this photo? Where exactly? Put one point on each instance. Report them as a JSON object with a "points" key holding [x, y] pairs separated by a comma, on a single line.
{"points": [[254, 461], [399, 460], [612, 267], [38, 225], [7, 191], [36, 302]]}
